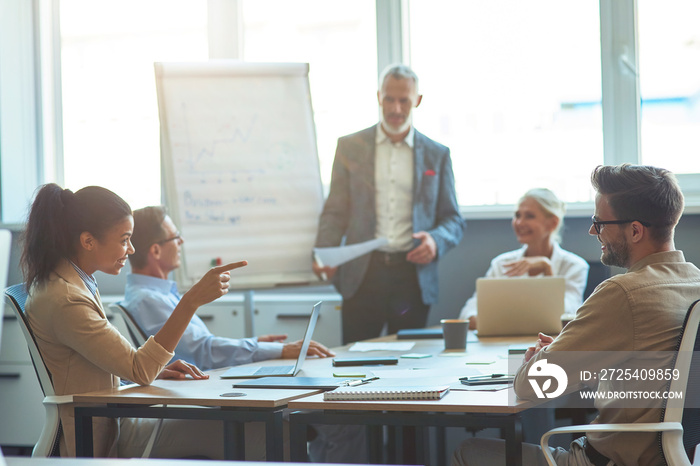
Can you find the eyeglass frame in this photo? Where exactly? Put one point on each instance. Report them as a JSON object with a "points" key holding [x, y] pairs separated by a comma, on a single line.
{"points": [[178, 237], [598, 223]]}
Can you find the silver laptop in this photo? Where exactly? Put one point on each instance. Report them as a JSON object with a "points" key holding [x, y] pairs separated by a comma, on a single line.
{"points": [[250, 372], [519, 306]]}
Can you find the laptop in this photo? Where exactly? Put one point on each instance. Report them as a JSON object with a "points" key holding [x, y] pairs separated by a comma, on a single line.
{"points": [[519, 306], [316, 383], [250, 372]]}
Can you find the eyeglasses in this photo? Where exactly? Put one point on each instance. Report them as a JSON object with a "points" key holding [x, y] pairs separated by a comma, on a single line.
{"points": [[598, 223], [174, 238]]}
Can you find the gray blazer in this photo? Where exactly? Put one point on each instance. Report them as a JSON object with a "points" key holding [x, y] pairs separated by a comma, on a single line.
{"points": [[349, 212]]}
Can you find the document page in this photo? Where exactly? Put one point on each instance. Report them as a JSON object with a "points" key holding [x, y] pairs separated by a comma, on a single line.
{"points": [[335, 256]]}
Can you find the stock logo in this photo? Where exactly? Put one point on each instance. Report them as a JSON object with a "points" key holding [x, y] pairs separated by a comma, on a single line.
{"points": [[551, 371]]}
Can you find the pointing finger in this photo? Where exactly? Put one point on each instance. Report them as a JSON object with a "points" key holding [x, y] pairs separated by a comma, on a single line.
{"points": [[231, 266]]}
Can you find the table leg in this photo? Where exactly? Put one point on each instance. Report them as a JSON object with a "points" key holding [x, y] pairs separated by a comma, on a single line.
{"points": [[297, 439], [274, 444], [513, 434], [234, 441], [422, 441], [393, 443], [375, 443], [440, 445], [83, 435]]}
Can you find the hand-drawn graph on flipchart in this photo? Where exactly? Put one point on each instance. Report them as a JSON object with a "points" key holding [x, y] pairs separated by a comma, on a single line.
{"points": [[240, 168]]}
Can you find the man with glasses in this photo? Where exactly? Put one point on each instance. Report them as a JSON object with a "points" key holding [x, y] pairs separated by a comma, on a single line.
{"points": [[150, 297], [628, 318]]}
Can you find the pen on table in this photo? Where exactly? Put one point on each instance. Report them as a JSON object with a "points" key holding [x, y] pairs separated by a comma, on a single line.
{"points": [[361, 381], [487, 376], [324, 277]]}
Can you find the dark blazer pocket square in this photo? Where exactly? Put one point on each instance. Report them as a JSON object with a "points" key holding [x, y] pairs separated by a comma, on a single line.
{"points": [[429, 173]]}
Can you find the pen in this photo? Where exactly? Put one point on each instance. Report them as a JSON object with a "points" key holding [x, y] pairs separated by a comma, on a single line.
{"points": [[492, 376], [361, 381]]}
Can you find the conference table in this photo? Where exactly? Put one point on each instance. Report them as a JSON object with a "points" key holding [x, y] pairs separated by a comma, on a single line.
{"points": [[216, 399], [471, 407], [36, 461], [210, 399]]}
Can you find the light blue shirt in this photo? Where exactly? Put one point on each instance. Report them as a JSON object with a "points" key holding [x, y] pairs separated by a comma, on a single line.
{"points": [[89, 280], [152, 300]]}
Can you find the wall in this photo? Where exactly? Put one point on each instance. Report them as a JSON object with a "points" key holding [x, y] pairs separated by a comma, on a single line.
{"points": [[459, 269], [484, 239]]}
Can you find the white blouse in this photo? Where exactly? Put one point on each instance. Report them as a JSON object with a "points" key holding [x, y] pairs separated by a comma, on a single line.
{"points": [[564, 264]]}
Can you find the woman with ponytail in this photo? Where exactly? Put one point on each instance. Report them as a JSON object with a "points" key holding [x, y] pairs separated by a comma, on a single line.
{"points": [[69, 236]]}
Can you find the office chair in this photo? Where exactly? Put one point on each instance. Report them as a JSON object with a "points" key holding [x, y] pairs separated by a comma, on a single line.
{"points": [[138, 336], [48, 443], [597, 273], [679, 429]]}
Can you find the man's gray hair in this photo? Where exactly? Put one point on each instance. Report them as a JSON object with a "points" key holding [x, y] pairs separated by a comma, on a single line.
{"points": [[398, 71]]}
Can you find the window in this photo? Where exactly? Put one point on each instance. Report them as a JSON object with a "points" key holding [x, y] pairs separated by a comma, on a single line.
{"points": [[669, 67], [338, 40], [110, 110], [514, 89], [507, 84]]}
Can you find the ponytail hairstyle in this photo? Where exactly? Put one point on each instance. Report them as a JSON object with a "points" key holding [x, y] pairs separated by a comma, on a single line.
{"points": [[56, 220]]}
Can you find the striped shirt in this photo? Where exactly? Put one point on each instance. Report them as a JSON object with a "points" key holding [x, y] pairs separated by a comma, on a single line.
{"points": [[89, 280]]}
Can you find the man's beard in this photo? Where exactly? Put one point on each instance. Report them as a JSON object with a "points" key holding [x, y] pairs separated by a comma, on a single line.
{"points": [[401, 129], [616, 254]]}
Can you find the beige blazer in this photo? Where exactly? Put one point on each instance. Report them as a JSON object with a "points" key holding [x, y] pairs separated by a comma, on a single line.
{"points": [[84, 352]]}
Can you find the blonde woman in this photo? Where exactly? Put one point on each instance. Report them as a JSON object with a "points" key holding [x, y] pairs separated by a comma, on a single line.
{"points": [[536, 224]]}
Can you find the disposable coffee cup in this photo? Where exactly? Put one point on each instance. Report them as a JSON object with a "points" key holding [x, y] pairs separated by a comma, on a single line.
{"points": [[454, 331]]}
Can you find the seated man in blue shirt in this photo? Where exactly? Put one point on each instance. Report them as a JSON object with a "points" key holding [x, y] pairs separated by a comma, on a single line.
{"points": [[150, 297]]}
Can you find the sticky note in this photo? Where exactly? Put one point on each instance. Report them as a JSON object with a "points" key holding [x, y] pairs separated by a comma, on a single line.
{"points": [[477, 360], [453, 354], [348, 374]]}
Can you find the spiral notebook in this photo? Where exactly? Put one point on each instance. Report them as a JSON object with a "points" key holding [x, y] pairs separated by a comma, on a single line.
{"points": [[386, 394]]}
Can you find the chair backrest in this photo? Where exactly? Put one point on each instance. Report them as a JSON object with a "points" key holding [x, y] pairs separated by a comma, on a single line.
{"points": [[597, 273], [17, 296], [685, 410], [138, 336], [48, 444]]}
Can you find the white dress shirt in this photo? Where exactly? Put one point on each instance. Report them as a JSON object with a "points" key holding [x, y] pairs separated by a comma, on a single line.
{"points": [[393, 181], [564, 264]]}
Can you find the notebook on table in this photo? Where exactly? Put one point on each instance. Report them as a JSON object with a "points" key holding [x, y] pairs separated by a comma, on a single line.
{"points": [[519, 306], [386, 393], [249, 372]]}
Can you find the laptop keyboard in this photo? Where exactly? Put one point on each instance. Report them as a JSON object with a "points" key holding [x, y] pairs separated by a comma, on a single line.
{"points": [[274, 370]]}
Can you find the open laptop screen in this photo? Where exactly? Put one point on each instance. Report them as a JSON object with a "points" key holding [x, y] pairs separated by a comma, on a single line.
{"points": [[519, 306]]}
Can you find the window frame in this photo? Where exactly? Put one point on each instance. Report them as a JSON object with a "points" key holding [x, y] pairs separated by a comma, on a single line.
{"points": [[38, 135]]}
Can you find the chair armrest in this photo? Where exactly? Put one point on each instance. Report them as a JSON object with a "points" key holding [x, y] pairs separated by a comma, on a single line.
{"points": [[631, 427], [57, 399]]}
